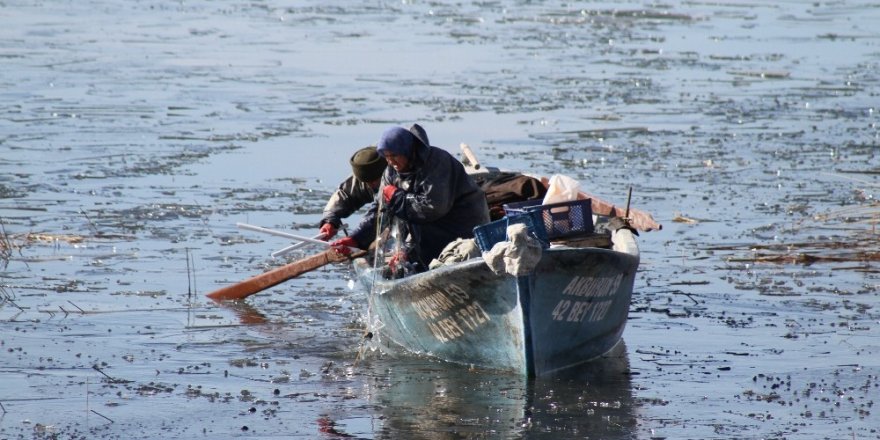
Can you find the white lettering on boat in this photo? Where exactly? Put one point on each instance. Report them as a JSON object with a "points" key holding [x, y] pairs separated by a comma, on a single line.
{"points": [[440, 302], [593, 287], [594, 299], [445, 329], [450, 313], [579, 311], [472, 315]]}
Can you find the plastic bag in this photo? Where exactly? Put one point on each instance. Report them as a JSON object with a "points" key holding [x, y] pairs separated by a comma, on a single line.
{"points": [[561, 189]]}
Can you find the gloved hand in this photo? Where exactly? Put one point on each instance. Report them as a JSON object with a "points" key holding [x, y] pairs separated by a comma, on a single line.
{"points": [[343, 245], [397, 260], [388, 192], [329, 231]]}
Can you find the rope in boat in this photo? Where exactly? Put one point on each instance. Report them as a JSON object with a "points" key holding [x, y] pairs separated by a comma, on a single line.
{"points": [[380, 226]]}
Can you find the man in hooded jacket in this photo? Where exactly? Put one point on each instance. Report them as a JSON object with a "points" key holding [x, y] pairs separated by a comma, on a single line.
{"points": [[428, 189]]}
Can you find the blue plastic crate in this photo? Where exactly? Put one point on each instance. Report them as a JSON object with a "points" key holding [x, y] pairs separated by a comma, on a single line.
{"points": [[489, 234], [568, 218], [559, 219], [520, 207]]}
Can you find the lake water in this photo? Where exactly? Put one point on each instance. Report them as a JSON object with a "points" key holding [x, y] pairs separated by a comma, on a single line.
{"points": [[134, 135]]}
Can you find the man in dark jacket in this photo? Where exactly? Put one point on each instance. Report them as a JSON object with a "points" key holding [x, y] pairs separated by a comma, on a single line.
{"points": [[428, 189], [357, 190]]}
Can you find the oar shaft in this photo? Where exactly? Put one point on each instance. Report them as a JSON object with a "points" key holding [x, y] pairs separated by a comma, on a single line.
{"points": [[281, 234], [469, 154], [288, 249], [293, 247]]}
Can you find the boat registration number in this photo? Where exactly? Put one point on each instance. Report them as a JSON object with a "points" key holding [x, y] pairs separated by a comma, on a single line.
{"points": [[451, 313], [586, 299]]}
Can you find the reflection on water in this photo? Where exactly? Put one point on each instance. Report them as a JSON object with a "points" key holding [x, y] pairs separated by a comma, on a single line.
{"points": [[246, 314], [418, 398], [440, 401]]}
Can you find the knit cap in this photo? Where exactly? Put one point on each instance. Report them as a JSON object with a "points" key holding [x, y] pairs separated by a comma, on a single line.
{"points": [[367, 164]]}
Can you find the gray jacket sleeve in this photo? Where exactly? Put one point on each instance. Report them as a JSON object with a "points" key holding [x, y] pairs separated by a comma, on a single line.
{"points": [[350, 196]]}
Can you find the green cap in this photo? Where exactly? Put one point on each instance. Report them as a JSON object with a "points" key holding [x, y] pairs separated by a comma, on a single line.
{"points": [[367, 165]]}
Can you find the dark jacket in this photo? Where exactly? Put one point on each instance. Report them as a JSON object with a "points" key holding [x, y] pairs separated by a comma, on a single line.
{"points": [[439, 202], [351, 195]]}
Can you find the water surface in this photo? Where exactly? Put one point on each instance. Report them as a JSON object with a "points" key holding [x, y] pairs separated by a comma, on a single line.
{"points": [[135, 136]]}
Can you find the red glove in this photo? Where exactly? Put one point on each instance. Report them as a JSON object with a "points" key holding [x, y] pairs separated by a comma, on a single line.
{"points": [[397, 259], [343, 245], [388, 192], [328, 230]]}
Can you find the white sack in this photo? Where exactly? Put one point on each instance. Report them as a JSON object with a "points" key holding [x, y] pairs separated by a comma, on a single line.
{"points": [[518, 256]]}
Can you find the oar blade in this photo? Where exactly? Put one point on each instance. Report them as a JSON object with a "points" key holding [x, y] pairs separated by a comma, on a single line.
{"points": [[273, 277]]}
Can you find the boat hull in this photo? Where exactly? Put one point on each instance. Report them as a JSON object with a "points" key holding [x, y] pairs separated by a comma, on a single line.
{"points": [[570, 310]]}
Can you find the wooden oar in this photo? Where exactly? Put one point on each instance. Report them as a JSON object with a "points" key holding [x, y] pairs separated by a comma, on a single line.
{"points": [[279, 275]]}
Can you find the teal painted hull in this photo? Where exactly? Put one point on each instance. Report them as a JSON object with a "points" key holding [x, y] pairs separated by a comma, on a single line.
{"points": [[571, 309]]}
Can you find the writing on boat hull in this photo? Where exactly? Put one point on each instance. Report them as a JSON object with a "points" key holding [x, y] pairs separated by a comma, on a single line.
{"points": [[586, 299], [450, 313]]}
